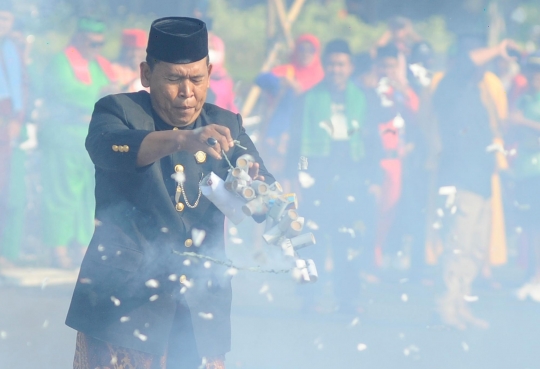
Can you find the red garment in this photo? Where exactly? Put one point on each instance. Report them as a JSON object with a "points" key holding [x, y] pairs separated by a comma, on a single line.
{"points": [[306, 76], [134, 38], [221, 83], [80, 66]]}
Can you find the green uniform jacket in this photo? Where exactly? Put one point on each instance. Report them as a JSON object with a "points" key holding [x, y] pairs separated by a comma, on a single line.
{"points": [[139, 229]]}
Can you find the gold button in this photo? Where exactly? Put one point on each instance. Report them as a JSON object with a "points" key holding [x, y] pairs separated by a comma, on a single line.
{"points": [[126, 148], [179, 207], [178, 168], [183, 278], [175, 129], [115, 148], [200, 157], [188, 243]]}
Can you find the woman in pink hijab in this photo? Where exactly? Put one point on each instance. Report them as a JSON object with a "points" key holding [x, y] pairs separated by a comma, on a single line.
{"points": [[221, 84], [283, 85]]}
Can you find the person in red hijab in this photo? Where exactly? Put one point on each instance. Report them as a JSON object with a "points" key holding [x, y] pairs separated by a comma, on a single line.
{"points": [[133, 52], [221, 84], [283, 84]]}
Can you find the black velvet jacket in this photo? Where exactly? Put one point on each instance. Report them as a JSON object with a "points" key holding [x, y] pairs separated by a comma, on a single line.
{"points": [[128, 288]]}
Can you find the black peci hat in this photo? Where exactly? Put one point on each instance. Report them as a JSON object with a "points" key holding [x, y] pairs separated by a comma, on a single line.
{"points": [[178, 40]]}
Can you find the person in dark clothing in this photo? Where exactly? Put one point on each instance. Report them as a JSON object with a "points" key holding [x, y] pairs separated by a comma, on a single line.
{"points": [[342, 181], [137, 298], [470, 104]]}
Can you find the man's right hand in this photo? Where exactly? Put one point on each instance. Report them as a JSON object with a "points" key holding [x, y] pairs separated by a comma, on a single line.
{"points": [[196, 140]]}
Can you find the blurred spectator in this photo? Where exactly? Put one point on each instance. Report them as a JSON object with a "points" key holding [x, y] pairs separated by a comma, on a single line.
{"points": [[11, 112], [340, 185], [393, 114], [221, 84], [283, 84], [402, 35], [76, 79], [526, 169], [132, 53], [470, 105]]}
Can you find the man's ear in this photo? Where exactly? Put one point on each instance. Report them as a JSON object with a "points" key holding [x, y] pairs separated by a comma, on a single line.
{"points": [[210, 67], [146, 72]]}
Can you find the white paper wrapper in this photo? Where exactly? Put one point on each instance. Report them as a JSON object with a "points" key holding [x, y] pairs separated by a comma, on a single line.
{"points": [[312, 270], [230, 205]]}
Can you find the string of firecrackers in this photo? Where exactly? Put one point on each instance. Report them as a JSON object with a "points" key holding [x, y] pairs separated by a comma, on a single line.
{"points": [[239, 196], [234, 268]]}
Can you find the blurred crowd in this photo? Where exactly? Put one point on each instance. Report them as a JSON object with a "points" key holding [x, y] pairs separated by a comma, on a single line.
{"points": [[402, 163]]}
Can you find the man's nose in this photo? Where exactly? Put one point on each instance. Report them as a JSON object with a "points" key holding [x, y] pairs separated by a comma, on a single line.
{"points": [[185, 90]]}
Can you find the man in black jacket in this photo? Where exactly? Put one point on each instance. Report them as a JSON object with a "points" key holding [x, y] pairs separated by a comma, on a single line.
{"points": [[137, 297]]}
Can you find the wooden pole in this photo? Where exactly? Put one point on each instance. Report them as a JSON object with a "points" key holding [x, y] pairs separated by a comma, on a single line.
{"points": [[284, 21], [288, 20]]}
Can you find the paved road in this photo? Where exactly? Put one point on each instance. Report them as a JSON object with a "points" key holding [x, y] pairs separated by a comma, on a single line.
{"points": [[277, 335]]}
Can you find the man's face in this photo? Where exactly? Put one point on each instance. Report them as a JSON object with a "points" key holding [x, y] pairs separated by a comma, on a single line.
{"points": [[91, 45], [388, 68], [178, 91], [338, 68], [306, 53], [6, 22]]}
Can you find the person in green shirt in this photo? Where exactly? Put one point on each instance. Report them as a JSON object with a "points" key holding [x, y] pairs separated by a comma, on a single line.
{"points": [[526, 168], [75, 80]]}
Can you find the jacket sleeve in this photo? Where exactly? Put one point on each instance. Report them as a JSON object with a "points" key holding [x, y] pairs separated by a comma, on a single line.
{"points": [[112, 142]]}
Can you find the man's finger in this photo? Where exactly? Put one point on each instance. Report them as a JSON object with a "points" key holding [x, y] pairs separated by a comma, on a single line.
{"points": [[214, 153], [225, 132]]}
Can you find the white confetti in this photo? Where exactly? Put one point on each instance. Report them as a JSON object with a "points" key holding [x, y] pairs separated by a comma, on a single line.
{"points": [[198, 236], [436, 225], [404, 297], [264, 289], [45, 324], [187, 262], [406, 352], [173, 277], [118, 253], [440, 212], [354, 322], [361, 347], [306, 180], [237, 241], [44, 283], [312, 225], [115, 301], [465, 346], [125, 319], [154, 298], [179, 177], [231, 271], [114, 360], [317, 202], [101, 248], [453, 210], [85, 280], [269, 297], [207, 264], [152, 283], [233, 231], [469, 298], [104, 257], [183, 290], [165, 230], [351, 199], [3, 335], [403, 280], [206, 316], [519, 230], [139, 335]]}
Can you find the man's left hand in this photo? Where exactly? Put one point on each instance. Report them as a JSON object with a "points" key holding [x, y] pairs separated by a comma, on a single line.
{"points": [[254, 172]]}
